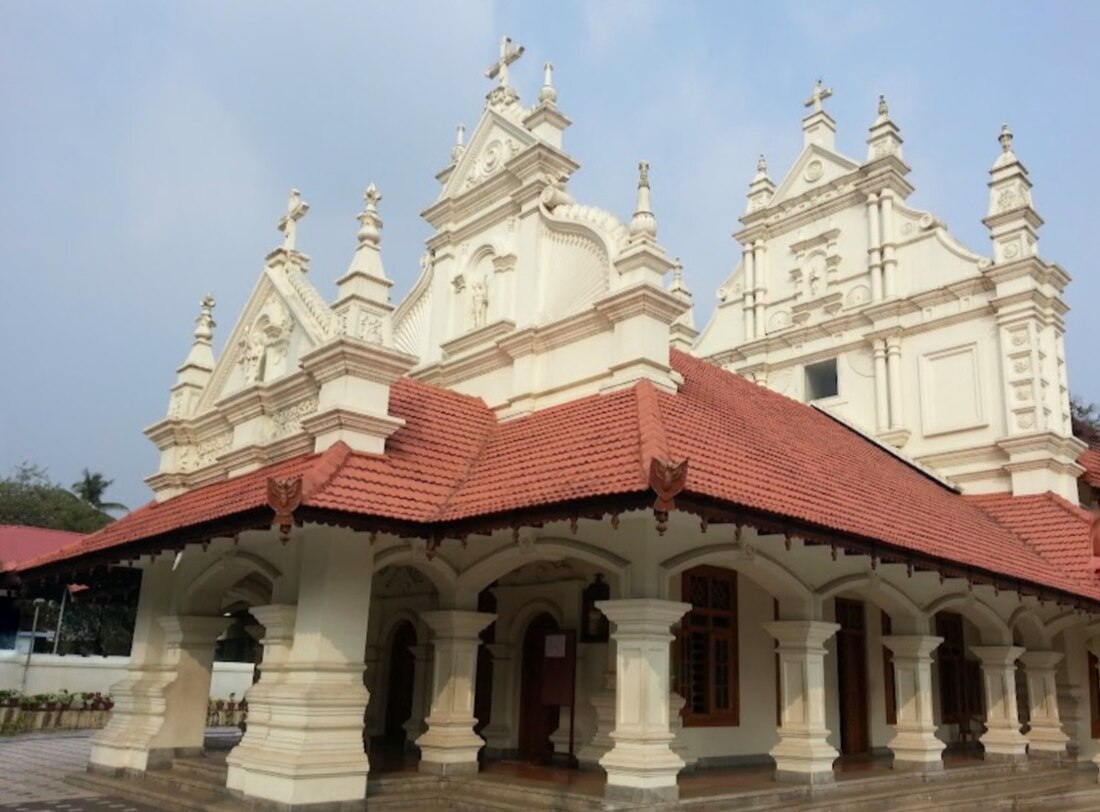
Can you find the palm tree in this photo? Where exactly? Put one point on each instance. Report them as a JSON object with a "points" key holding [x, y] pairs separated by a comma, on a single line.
{"points": [[91, 489]]}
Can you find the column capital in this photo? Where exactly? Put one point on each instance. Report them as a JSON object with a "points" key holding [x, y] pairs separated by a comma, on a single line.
{"points": [[1041, 659], [796, 634], [277, 620], [918, 646], [456, 623], [642, 615], [994, 656], [183, 630], [501, 651]]}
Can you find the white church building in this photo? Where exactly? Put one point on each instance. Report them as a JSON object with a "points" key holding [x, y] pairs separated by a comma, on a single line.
{"points": [[530, 513]]}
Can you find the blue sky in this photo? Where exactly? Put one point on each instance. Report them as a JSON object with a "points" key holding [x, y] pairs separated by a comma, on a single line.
{"points": [[148, 147]]}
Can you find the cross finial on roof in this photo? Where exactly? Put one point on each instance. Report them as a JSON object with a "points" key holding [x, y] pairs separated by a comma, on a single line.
{"points": [[296, 209], [508, 55], [818, 96], [370, 224], [204, 329]]}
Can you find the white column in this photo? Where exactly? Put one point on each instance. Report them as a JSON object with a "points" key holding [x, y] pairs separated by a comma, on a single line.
{"points": [[1002, 740], [450, 745], [641, 767], [889, 261], [277, 621], [875, 260], [372, 676], [882, 392], [915, 745], [414, 725], [803, 753], [761, 289], [1045, 738], [313, 749], [676, 722], [603, 703], [893, 373], [750, 291], [498, 733]]}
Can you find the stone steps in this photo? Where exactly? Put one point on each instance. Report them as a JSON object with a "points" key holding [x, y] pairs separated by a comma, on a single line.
{"points": [[151, 794]]}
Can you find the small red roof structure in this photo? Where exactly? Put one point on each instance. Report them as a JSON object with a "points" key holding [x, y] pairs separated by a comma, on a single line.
{"points": [[20, 543], [1090, 458], [754, 457]]}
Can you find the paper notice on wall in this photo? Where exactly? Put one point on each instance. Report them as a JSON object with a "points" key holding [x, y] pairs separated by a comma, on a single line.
{"points": [[555, 645]]}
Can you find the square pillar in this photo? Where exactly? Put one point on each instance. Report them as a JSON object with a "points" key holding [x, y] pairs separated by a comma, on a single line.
{"points": [[277, 622], [414, 725], [803, 753], [450, 746], [498, 733], [1002, 740], [312, 752], [603, 704], [915, 745], [1045, 738], [641, 766]]}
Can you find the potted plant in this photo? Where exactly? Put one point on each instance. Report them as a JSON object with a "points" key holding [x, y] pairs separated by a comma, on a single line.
{"points": [[108, 703]]}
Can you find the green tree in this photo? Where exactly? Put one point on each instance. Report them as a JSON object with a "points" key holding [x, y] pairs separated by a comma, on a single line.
{"points": [[91, 489], [1086, 420], [29, 497]]}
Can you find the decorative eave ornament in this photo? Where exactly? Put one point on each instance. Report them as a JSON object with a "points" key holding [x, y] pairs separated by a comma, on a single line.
{"points": [[667, 479]]}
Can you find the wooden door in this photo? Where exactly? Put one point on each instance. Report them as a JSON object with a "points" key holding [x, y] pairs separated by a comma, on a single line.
{"points": [[536, 721], [402, 673], [851, 650]]}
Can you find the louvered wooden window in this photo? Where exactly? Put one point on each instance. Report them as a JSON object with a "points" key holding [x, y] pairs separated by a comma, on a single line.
{"points": [[708, 674], [952, 665]]}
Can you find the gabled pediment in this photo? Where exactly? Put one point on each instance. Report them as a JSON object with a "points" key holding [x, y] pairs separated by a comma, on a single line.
{"points": [[281, 322], [495, 142], [816, 167]]}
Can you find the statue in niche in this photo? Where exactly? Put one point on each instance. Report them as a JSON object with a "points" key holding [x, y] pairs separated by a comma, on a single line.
{"points": [[479, 302], [264, 347]]}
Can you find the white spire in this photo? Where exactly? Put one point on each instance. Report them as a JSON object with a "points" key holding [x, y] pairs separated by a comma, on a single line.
{"points": [[194, 374], [1012, 219], [643, 225], [547, 94], [678, 287], [460, 143], [761, 187], [368, 257], [885, 138], [202, 351]]}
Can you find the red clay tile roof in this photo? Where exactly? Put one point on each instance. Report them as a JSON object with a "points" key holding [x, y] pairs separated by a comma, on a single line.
{"points": [[19, 543], [1090, 458], [749, 448], [1058, 530]]}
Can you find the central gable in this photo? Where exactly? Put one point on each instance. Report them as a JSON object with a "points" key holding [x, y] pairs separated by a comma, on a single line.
{"points": [[495, 142], [815, 168]]}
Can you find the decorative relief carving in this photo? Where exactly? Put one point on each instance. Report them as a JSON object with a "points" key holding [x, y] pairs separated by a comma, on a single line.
{"points": [[858, 295], [263, 347], [205, 452], [491, 160], [311, 300], [814, 170], [288, 420], [399, 581], [370, 328], [1021, 365], [1025, 420]]}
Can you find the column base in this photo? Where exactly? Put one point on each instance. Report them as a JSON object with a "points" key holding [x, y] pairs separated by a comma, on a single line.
{"points": [[259, 805], [449, 752], [803, 760], [1004, 746], [918, 751], [636, 770]]}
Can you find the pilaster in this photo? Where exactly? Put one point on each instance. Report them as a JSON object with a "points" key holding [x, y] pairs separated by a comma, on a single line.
{"points": [[498, 733], [641, 766], [450, 746], [915, 745], [1002, 740], [803, 753], [603, 704], [1046, 739]]}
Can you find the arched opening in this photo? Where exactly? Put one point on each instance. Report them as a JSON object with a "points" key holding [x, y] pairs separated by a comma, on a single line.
{"points": [[536, 720], [402, 677], [852, 681]]}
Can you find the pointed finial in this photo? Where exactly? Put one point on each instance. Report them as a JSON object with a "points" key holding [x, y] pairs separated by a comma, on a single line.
{"points": [[883, 110], [643, 225], [205, 324], [678, 285], [1005, 138], [296, 209], [761, 165], [548, 95], [370, 228], [460, 142]]}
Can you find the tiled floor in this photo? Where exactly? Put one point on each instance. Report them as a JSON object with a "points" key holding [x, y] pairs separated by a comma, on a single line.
{"points": [[32, 773]]}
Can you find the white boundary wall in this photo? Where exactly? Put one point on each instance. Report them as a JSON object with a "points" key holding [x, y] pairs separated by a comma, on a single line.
{"points": [[50, 673]]}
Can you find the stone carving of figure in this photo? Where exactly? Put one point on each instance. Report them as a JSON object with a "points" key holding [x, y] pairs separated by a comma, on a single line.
{"points": [[479, 302]]}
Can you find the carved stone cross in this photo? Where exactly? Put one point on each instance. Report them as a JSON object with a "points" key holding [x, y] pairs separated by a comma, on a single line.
{"points": [[508, 55], [296, 209], [818, 96]]}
